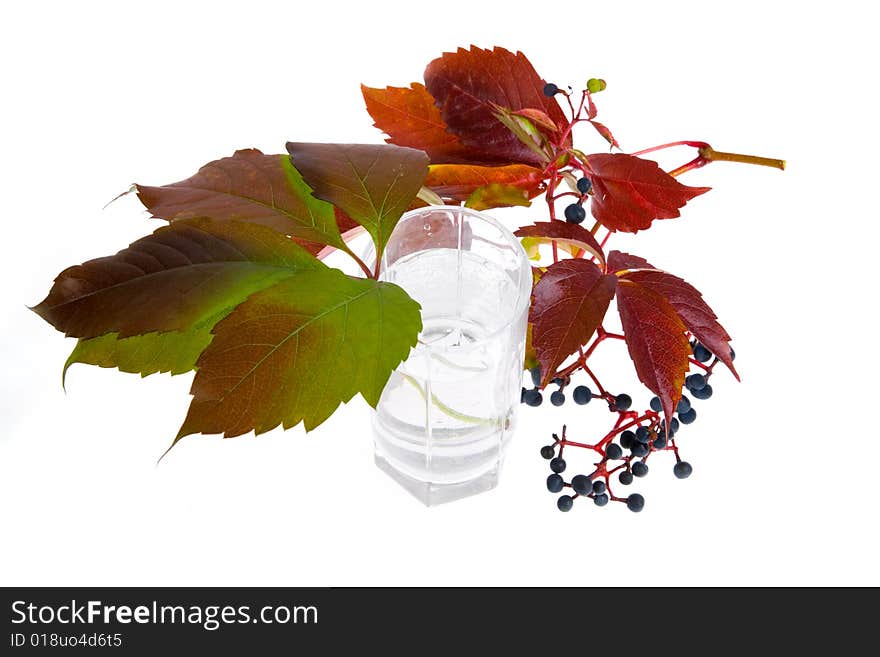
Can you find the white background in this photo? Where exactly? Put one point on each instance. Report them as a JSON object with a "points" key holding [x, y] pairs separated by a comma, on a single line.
{"points": [[784, 490]]}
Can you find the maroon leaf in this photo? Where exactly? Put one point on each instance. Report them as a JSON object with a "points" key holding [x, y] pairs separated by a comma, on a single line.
{"points": [[630, 192], [569, 302], [564, 232], [619, 261], [696, 314], [467, 85], [655, 337]]}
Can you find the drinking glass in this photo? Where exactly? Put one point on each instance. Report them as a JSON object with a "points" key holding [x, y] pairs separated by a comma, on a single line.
{"points": [[448, 411]]}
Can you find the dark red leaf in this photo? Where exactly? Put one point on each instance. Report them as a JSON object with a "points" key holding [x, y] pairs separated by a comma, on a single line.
{"points": [[655, 337], [630, 192], [696, 314], [568, 303], [458, 181], [467, 85], [619, 261], [565, 232]]}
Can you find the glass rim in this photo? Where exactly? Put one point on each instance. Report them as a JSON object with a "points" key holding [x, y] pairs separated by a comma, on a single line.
{"points": [[525, 268]]}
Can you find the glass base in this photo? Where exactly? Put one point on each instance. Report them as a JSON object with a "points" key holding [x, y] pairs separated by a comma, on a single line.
{"points": [[431, 494]]}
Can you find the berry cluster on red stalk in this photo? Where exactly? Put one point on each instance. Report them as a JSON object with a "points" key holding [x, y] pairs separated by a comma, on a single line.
{"points": [[635, 435]]}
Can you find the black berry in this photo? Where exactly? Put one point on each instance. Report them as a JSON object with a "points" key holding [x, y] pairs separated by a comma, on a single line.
{"points": [[622, 402], [635, 502], [575, 214], [598, 487], [687, 418], [555, 483], [660, 443], [550, 89], [643, 435], [584, 185], [533, 397], [557, 398], [656, 405], [639, 449], [557, 464], [695, 382], [564, 503], [701, 353], [600, 500], [703, 393], [536, 376], [684, 405], [682, 469], [627, 438], [548, 452], [581, 395], [581, 484], [613, 451], [625, 477], [639, 469]]}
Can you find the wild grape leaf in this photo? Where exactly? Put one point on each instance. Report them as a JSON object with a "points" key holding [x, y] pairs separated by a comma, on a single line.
{"points": [[410, 118], [250, 187], [496, 195], [619, 261], [563, 231], [293, 352], [630, 192], [655, 337], [458, 181], [183, 273], [467, 85], [568, 304], [687, 301], [372, 184], [175, 352]]}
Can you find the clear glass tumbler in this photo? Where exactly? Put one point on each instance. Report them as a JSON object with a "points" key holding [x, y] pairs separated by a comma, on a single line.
{"points": [[448, 411]]}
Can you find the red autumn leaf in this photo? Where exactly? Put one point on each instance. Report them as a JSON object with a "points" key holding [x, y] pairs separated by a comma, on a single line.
{"points": [[630, 192], [605, 132], [569, 303], [687, 301], [468, 85], [619, 261], [655, 337], [565, 232], [458, 181], [409, 117]]}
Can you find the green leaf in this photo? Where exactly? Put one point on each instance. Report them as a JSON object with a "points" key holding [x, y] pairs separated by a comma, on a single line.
{"points": [[171, 351], [250, 187], [294, 352], [373, 184], [179, 276], [497, 195]]}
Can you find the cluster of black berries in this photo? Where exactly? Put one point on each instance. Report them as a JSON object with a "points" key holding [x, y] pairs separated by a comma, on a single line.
{"points": [[580, 394], [532, 396], [582, 485]]}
